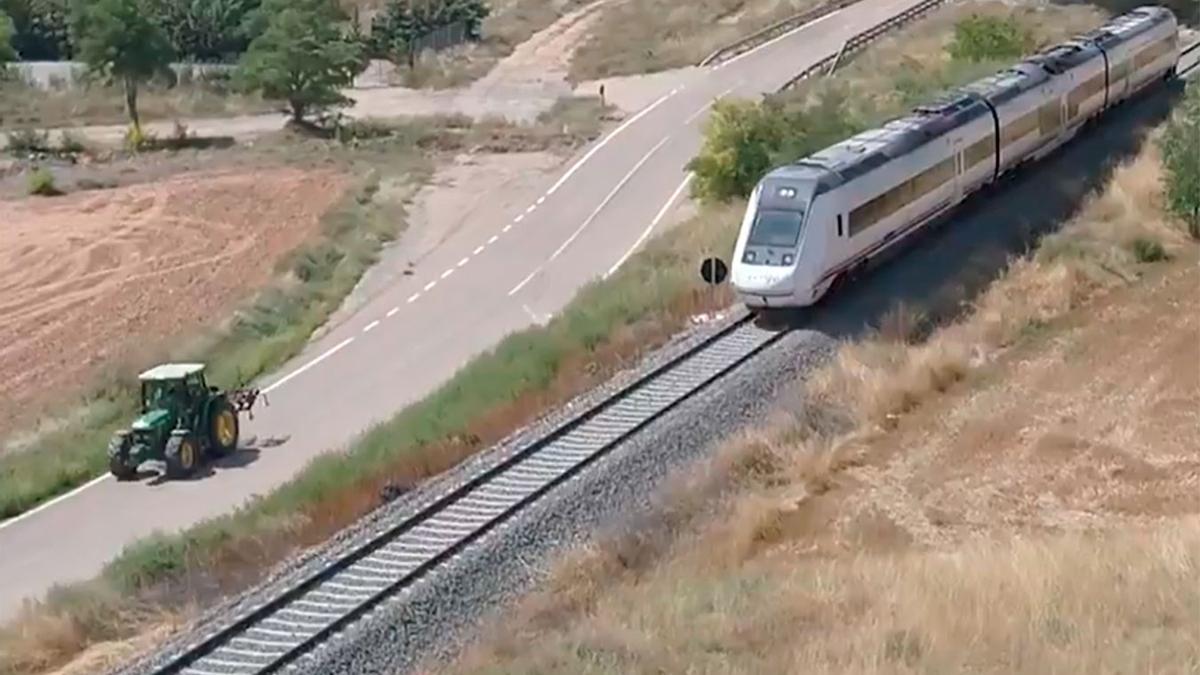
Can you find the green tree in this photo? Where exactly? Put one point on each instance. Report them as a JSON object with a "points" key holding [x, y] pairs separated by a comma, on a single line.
{"points": [[7, 53], [206, 30], [398, 30], [121, 40], [740, 140], [302, 56], [1181, 160], [42, 31], [985, 38]]}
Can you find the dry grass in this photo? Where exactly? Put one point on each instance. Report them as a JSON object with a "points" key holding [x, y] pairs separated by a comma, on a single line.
{"points": [[1015, 493], [643, 36], [26, 107]]}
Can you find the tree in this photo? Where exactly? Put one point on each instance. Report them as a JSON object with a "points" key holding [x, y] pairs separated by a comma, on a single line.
{"points": [[301, 56], [42, 31], [206, 30], [400, 28], [7, 53], [1181, 160], [121, 40]]}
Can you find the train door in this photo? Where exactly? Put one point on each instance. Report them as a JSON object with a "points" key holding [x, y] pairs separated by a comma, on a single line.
{"points": [[957, 147]]}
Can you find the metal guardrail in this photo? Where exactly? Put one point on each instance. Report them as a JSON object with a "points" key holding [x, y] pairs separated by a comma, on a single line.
{"points": [[828, 64], [774, 30], [1184, 52]]}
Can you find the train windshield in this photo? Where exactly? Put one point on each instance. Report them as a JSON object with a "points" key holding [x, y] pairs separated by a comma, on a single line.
{"points": [[776, 227]]}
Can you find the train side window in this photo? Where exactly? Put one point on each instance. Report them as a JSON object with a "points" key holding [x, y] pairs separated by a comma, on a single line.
{"points": [[840, 225]]}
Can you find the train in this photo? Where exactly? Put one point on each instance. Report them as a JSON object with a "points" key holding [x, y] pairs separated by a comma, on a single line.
{"points": [[818, 221]]}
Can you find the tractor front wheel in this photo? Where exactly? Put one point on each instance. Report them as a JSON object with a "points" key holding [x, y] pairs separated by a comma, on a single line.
{"points": [[118, 458], [223, 430], [182, 456]]}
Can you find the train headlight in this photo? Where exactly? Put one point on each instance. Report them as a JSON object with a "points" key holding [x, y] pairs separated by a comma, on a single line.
{"points": [[788, 258], [749, 257]]}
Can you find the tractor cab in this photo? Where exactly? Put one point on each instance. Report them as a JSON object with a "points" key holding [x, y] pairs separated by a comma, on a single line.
{"points": [[168, 392]]}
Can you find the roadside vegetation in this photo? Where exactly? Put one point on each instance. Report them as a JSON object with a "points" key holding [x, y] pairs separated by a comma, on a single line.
{"points": [[606, 327], [1012, 492]]}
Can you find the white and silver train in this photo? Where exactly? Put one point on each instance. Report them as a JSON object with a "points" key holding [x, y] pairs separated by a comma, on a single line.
{"points": [[821, 218]]}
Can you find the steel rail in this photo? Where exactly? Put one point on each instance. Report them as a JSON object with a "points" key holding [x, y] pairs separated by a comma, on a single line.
{"points": [[287, 627]]}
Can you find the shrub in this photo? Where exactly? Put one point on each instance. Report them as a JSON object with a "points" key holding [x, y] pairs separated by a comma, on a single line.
{"points": [[26, 141], [41, 182], [40, 29], [7, 30], [986, 38], [1181, 160], [1148, 250]]}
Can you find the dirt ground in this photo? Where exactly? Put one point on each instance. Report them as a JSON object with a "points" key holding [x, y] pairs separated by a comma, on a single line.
{"points": [[86, 277], [1091, 426]]}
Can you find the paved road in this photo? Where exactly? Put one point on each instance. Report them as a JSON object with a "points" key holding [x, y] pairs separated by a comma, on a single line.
{"points": [[492, 277]]}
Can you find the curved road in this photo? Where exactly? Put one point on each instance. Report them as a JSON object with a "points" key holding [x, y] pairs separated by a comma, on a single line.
{"points": [[489, 279]]}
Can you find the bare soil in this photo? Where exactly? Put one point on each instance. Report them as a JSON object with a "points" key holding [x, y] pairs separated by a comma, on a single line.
{"points": [[86, 278]]}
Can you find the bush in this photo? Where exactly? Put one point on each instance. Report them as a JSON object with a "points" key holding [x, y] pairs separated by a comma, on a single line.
{"points": [[7, 30], [27, 141], [1181, 160], [743, 140], [1148, 250], [41, 182], [986, 38]]}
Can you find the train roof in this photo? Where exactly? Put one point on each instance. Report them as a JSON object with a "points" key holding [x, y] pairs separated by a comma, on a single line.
{"points": [[1009, 83], [1063, 57], [859, 154], [1128, 25]]}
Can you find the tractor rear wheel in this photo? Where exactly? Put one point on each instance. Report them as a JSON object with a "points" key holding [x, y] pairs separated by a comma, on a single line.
{"points": [[182, 455], [223, 429]]}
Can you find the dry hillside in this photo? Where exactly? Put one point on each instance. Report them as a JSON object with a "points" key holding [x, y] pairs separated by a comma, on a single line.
{"points": [[1017, 493]]}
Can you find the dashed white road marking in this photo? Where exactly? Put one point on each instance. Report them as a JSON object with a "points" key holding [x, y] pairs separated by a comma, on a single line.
{"points": [[392, 311], [478, 250], [661, 213], [596, 148], [541, 200], [531, 208], [295, 373], [493, 239], [506, 228], [519, 218], [371, 326], [464, 261], [429, 286], [413, 298], [447, 272], [595, 212]]}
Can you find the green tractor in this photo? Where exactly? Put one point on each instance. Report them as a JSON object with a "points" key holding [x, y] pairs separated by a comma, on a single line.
{"points": [[183, 420]]}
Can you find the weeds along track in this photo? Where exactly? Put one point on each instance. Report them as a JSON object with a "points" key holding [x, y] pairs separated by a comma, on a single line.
{"points": [[282, 632]]}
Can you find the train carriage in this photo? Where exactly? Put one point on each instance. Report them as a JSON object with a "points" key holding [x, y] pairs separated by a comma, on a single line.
{"points": [[818, 220]]}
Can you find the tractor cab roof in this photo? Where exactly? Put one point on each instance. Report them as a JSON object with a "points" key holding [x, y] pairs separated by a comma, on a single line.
{"points": [[171, 371]]}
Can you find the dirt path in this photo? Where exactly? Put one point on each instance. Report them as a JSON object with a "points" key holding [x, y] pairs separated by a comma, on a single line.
{"points": [[518, 88], [87, 277]]}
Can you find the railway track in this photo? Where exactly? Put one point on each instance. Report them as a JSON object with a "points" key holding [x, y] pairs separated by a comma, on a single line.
{"points": [[282, 633]]}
